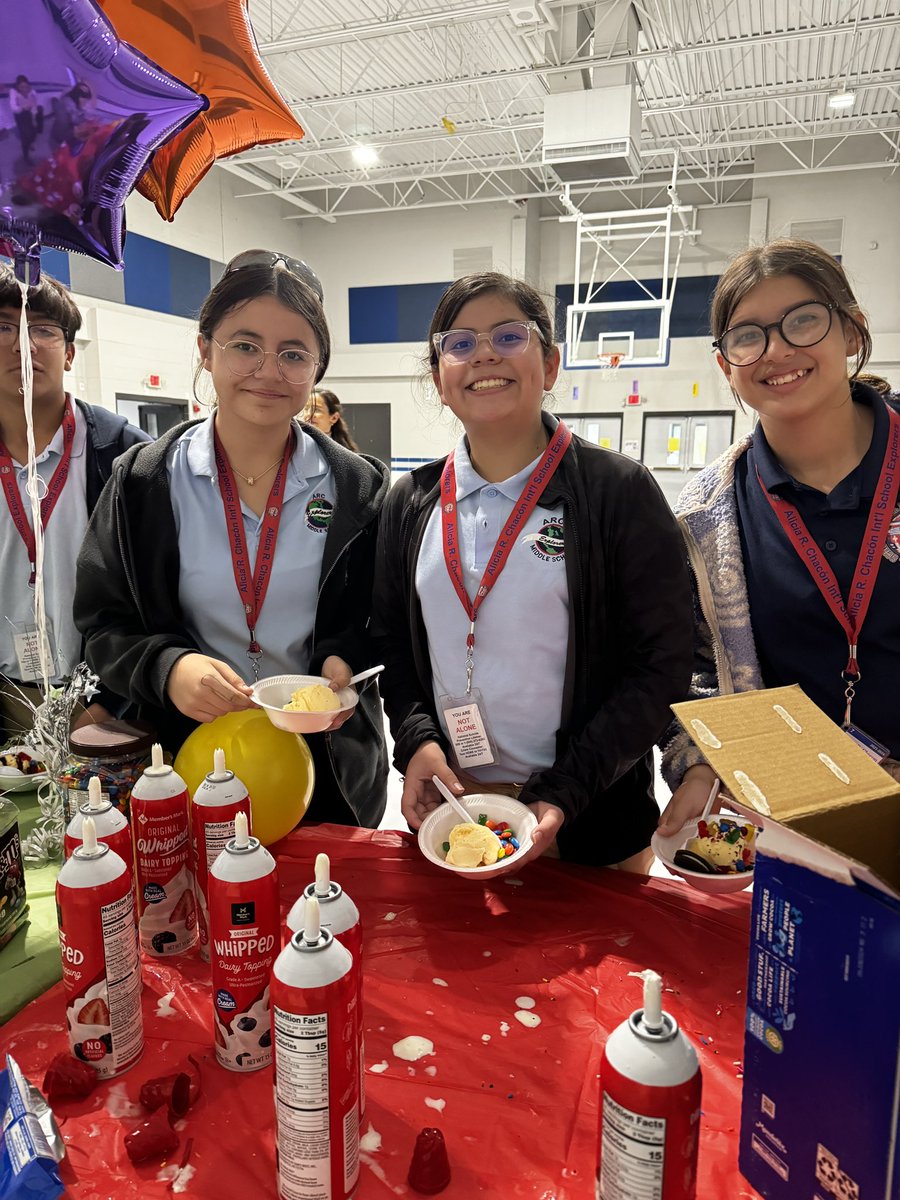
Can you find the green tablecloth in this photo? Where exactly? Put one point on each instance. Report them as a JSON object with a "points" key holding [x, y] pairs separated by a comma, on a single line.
{"points": [[30, 962]]}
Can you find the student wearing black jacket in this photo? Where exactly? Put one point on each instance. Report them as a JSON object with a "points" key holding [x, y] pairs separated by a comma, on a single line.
{"points": [[75, 444], [589, 640], [157, 596]]}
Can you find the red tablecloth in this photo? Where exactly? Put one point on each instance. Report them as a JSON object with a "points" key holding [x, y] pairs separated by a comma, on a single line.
{"points": [[445, 958]]}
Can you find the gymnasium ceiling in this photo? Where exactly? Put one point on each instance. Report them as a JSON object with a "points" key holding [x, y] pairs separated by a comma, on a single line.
{"points": [[451, 97]]}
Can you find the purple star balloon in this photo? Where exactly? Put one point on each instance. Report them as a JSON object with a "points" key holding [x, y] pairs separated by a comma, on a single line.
{"points": [[81, 114]]}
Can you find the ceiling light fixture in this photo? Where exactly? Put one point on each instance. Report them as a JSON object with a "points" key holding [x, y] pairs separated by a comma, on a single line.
{"points": [[839, 100], [365, 156]]}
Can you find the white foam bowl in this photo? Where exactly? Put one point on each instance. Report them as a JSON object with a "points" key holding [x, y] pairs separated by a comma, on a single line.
{"points": [[435, 830], [13, 780], [665, 849], [274, 693]]}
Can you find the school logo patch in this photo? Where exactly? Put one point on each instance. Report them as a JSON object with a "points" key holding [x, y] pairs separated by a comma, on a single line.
{"points": [[548, 544], [892, 546], [319, 512]]}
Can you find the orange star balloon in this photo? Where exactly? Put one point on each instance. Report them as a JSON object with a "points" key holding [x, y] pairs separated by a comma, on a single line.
{"points": [[209, 45]]}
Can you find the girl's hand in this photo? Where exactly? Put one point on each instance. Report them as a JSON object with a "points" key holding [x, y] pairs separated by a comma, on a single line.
{"points": [[688, 800], [204, 688], [338, 673], [550, 818], [420, 795]]}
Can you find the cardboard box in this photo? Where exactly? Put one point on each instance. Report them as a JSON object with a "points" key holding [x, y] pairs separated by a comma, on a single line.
{"points": [[821, 1091]]}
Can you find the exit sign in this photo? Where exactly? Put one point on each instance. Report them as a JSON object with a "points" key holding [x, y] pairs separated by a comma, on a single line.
{"points": [[153, 381]]}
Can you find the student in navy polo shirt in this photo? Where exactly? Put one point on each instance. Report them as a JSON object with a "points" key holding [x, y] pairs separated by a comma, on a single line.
{"points": [[794, 532], [181, 525], [75, 446], [564, 562]]}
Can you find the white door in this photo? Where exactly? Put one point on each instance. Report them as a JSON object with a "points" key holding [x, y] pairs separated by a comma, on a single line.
{"points": [[678, 445], [605, 431]]}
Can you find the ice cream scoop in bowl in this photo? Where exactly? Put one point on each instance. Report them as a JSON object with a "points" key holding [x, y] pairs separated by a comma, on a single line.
{"points": [[705, 857], [274, 693], [435, 831]]}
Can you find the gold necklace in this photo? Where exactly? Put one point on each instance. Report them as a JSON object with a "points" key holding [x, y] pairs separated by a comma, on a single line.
{"points": [[251, 479]]}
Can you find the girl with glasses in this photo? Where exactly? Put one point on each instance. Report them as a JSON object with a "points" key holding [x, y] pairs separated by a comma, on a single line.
{"points": [[532, 601], [241, 546], [794, 533]]}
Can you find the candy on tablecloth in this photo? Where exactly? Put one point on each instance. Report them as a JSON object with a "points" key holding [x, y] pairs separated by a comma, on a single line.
{"points": [[152, 1139], [429, 1171], [66, 1078]]}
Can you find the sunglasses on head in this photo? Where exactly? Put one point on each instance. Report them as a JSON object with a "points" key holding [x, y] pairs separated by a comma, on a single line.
{"points": [[271, 258]]}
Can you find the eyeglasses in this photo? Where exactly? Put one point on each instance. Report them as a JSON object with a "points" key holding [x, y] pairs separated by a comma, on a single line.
{"points": [[271, 258], [246, 358], [803, 325], [40, 336], [509, 340]]}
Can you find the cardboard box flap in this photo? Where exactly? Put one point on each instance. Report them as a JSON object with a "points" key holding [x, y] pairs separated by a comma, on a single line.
{"points": [[778, 754]]}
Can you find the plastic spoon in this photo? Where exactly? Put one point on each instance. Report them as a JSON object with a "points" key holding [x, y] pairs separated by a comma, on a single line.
{"points": [[367, 674], [458, 808], [711, 799]]}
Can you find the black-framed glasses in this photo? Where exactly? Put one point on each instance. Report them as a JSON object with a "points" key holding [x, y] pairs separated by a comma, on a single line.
{"points": [[271, 258], [40, 335], [245, 358], [805, 324], [508, 340]]}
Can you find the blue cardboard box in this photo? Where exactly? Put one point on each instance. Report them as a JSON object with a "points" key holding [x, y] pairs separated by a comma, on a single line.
{"points": [[821, 1090]]}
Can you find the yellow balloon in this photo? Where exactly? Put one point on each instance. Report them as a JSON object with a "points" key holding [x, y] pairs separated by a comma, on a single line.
{"points": [[276, 766]]}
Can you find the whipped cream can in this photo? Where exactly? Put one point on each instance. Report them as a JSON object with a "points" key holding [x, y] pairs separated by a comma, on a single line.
{"points": [[100, 957], [160, 819], [216, 801], [316, 1035], [650, 1087], [244, 927], [111, 825], [339, 914]]}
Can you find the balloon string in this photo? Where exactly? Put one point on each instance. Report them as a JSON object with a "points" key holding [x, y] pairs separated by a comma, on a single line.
{"points": [[34, 486]]}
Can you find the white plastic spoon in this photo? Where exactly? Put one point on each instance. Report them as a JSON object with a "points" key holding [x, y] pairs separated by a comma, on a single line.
{"points": [[711, 799], [458, 808], [367, 674]]}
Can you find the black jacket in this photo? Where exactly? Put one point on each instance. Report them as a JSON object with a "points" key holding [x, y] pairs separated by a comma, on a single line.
{"points": [[126, 605], [629, 654]]}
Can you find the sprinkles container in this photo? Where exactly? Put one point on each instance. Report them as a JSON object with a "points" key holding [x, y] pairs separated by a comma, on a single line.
{"points": [[116, 752]]}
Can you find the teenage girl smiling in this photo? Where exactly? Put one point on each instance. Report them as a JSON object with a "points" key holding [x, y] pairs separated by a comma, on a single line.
{"points": [[535, 582]]}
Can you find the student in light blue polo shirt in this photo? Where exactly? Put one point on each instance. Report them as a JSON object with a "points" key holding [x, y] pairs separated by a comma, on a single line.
{"points": [[242, 546], [532, 603]]}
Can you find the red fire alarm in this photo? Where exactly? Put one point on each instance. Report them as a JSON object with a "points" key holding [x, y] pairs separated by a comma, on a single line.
{"points": [[153, 381], [632, 400]]}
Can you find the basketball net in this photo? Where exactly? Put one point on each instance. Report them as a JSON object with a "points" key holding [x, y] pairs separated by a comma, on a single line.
{"points": [[609, 365]]}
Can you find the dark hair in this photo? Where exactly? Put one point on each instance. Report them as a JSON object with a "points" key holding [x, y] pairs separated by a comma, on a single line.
{"points": [[881, 386], [50, 298], [249, 283], [470, 287], [789, 256], [339, 430]]}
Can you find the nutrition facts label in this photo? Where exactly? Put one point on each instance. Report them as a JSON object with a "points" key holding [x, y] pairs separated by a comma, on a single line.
{"points": [[218, 835], [123, 978], [632, 1154], [301, 1101]]}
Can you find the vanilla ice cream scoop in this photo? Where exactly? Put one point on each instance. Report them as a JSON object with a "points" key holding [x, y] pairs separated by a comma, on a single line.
{"points": [[473, 846], [314, 698]]}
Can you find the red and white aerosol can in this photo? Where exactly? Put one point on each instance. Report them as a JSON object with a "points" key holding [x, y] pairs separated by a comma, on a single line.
{"points": [[167, 911], [339, 914], [316, 1065], [216, 801], [100, 957], [111, 825], [244, 931], [650, 1087]]}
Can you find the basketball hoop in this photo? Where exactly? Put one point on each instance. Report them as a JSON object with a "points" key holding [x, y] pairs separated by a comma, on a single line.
{"points": [[609, 365]]}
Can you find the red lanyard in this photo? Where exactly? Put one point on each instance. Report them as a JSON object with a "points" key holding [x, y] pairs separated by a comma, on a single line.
{"points": [[852, 615], [521, 511], [252, 589], [53, 493]]}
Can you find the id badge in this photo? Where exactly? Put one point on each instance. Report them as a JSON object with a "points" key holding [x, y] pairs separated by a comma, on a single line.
{"points": [[28, 654], [468, 730], [865, 741]]}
